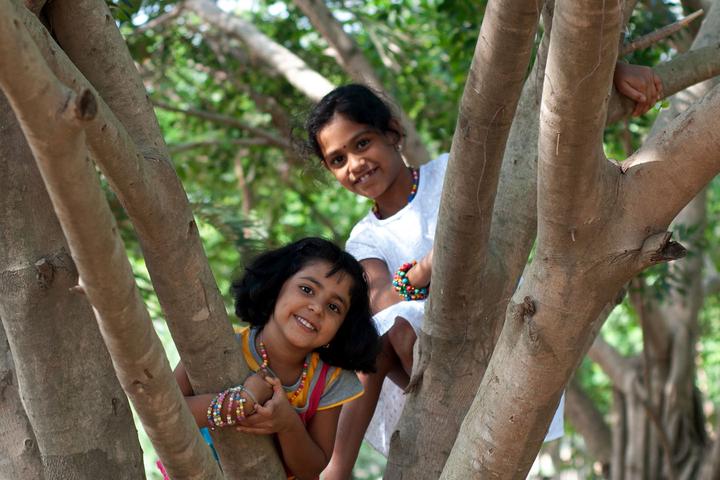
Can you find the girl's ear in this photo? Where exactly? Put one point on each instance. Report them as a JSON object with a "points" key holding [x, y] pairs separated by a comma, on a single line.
{"points": [[396, 133]]}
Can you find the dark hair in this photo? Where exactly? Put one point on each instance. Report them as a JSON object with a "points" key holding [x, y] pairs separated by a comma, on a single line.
{"points": [[357, 103], [355, 345]]}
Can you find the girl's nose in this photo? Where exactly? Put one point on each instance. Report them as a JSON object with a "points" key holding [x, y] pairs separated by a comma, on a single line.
{"points": [[314, 307], [357, 162]]}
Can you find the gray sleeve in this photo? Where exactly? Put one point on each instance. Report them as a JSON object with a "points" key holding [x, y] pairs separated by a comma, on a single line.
{"points": [[341, 386]]}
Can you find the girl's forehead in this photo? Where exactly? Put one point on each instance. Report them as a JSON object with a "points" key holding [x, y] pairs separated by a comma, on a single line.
{"points": [[340, 130], [324, 269]]}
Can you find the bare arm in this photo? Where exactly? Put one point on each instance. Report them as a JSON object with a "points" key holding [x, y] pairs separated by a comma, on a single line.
{"points": [[382, 293]]}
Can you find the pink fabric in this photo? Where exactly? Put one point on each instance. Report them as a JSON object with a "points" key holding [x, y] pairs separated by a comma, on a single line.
{"points": [[161, 467]]}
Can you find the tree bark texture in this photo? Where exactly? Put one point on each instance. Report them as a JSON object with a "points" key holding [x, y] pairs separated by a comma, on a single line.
{"points": [[52, 118], [80, 420], [145, 181], [456, 332], [577, 268], [155, 200], [19, 454]]}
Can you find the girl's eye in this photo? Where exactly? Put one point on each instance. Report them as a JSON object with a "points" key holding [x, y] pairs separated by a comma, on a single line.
{"points": [[362, 143], [306, 289], [334, 308], [337, 161]]}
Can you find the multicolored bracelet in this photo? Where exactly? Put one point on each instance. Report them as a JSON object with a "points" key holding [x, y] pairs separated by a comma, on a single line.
{"points": [[404, 288]]}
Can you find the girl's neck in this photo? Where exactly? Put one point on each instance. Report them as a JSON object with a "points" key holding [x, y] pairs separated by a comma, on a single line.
{"points": [[283, 359], [400, 192]]}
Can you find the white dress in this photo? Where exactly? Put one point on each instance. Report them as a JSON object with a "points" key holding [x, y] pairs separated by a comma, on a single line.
{"points": [[406, 236]]}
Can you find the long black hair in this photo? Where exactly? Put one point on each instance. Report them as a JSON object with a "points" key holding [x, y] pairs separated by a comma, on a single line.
{"points": [[355, 345], [355, 102]]}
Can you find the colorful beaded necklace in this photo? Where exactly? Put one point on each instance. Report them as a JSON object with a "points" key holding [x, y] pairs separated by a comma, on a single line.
{"points": [[413, 191], [266, 364]]}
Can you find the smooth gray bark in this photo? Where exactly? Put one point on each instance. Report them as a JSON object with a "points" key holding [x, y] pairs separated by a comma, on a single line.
{"points": [[48, 327]]}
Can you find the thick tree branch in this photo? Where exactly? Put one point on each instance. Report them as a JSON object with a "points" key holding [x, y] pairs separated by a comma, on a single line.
{"points": [[283, 61], [21, 456], [486, 111], [156, 203], [353, 61], [52, 118], [677, 162], [579, 74]]}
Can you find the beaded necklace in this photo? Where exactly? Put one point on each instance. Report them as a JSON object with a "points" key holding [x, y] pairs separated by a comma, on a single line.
{"points": [[266, 364], [413, 191]]}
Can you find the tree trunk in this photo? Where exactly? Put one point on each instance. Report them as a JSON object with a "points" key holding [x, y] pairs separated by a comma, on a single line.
{"points": [[61, 364], [578, 266], [452, 347], [19, 454]]}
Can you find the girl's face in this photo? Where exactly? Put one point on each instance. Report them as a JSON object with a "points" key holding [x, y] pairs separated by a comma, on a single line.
{"points": [[311, 306], [364, 160]]}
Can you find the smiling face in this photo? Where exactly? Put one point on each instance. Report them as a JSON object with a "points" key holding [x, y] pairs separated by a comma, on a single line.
{"points": [[363, 159], [311, 306]]}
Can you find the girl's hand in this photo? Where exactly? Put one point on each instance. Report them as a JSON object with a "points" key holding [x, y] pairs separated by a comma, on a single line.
{"points": [[275, 416], [419, 275], [638, 83]]}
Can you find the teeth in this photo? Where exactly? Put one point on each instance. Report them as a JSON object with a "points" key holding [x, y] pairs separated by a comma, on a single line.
{"points": [[304, 323], [364, 178]]}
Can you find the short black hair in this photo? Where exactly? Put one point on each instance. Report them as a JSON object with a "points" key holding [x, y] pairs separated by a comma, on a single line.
{"points": [[357, 103], [356, 343]]}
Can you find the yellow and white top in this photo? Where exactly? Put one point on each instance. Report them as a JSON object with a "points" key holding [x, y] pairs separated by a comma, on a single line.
{"points": [[341, 386]]}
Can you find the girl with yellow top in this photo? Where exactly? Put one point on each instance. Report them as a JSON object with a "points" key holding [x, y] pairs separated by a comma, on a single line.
{"points": [[310, 330]]}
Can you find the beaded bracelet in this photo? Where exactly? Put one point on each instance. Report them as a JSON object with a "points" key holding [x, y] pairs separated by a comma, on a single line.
{"points": [[240, 410], [231, 402], [404, 288]]}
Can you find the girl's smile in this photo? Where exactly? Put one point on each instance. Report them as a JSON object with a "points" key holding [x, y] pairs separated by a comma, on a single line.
{"points": [[366, 162], [309, 310]]}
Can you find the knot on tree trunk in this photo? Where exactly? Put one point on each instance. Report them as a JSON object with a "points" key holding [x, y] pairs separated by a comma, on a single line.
{"points": [[660, 248]]}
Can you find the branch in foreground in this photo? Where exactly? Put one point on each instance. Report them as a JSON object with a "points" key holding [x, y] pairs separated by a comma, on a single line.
{"points": [[653, 37], [52, 118], [128, 145]]}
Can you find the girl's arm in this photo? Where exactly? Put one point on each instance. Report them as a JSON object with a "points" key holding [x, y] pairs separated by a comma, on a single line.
{"points": [[198, 404], [306, 451], [382, 293]]}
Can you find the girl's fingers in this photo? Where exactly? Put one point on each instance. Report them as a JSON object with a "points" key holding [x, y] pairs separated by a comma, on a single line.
{"points": [[631, 92]]}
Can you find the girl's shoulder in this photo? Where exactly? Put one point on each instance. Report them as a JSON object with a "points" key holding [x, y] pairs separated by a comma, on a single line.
{"points": [[340, 386]]}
